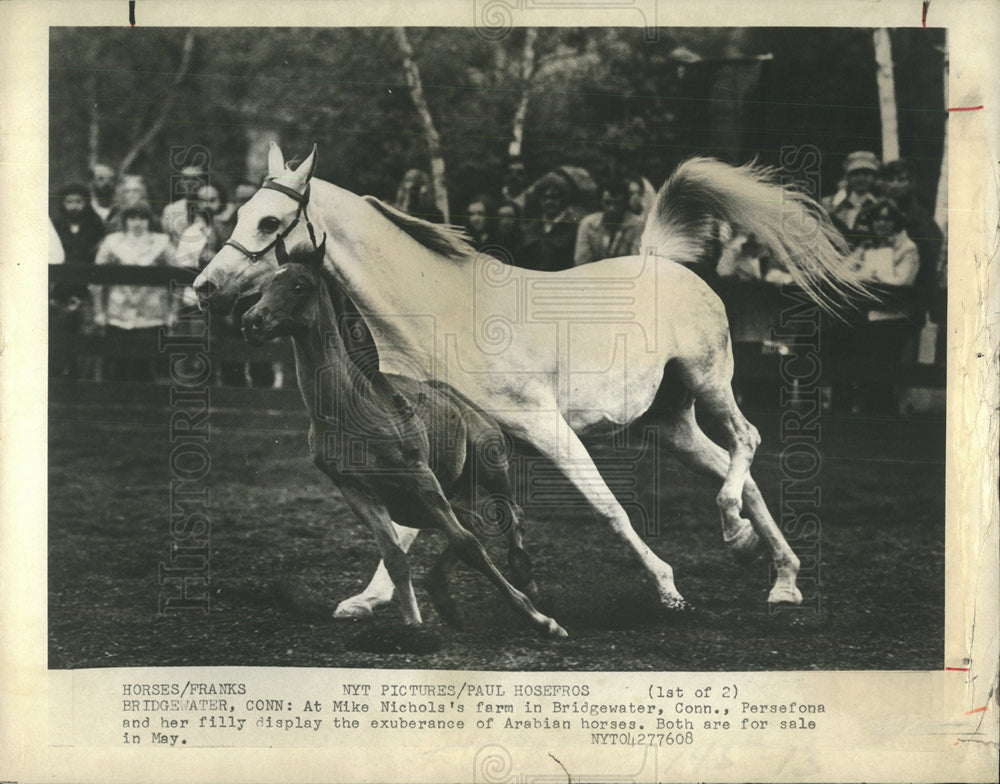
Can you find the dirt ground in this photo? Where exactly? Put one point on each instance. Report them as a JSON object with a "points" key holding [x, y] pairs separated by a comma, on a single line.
{"points": [[284, 550]]}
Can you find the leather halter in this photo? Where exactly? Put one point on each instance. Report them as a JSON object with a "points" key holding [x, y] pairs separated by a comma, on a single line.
{"points": [[302, 199]]}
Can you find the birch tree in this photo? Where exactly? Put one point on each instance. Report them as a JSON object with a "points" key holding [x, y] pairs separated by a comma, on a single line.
{"points": [[431, 137], [886, 93], [941, 202], [527, 73]]}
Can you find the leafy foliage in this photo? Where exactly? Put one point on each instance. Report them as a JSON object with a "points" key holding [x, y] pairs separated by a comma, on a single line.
{"points": [[604, 99]]}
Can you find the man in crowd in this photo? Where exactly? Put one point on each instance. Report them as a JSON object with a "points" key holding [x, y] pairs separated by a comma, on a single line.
{"points": [[102, 190], [860, 170], [79, 227], [615, 231], [80, 232], [549, 242]]}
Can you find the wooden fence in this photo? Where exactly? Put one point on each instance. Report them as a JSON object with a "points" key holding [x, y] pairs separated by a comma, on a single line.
{"points": [[753, 308]]}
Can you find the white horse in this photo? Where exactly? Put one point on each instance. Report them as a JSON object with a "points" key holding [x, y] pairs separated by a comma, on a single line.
{"points": [[559, 356]]}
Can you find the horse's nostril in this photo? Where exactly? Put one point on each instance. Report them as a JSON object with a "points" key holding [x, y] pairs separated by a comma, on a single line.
{"points": [[205, 288]]}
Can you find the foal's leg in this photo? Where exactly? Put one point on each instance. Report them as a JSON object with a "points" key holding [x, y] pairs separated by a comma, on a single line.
{"points": [[507, 516], [699, 453], [556, 440], [470, 550], [376, 517], [378, 592]]}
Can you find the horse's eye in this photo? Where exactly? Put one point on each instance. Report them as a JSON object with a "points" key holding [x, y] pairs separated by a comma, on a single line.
{"points": [[268, 225], [298, 287]]}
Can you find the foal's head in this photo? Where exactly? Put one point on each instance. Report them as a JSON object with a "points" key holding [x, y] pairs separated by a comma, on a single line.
{"points": [[291, 297]]}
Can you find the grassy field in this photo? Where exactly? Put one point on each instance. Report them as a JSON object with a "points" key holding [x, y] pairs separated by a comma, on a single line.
{"points": [[285, 549]]}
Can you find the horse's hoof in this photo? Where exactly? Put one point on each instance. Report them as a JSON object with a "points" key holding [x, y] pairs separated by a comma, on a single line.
{"points": [[354, 609], [784, 594], [677, 605], [745, 544]]}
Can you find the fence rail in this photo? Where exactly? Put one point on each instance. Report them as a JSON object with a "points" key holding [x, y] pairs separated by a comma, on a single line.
{"points": [[751, 302]]}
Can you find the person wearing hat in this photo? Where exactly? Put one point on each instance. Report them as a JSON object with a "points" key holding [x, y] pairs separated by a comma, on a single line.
{"points": [[133, 310], [860, 170]]}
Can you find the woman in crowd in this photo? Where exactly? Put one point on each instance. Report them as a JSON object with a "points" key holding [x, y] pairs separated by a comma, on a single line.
{"points": [[885, 254], [508, 231], [479, 223], [133, 310]]}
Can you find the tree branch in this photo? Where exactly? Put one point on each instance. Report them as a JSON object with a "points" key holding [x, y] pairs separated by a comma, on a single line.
{"points": [[166, 106]]}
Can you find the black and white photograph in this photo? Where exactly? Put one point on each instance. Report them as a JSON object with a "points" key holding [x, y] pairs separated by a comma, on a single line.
{"points": [[646, 334], [474, 348]]}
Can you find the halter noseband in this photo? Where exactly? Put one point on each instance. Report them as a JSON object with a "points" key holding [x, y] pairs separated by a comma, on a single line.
{"points": [[302, 199]]}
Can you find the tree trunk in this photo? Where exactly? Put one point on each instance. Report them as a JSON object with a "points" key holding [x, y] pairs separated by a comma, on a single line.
{"points": [[94, 130], [430, 132], [527, 72], [886, 93], [165, 107], [941, 202]]}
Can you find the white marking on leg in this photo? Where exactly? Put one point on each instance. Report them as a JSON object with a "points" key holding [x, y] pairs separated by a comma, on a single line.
{"points": [[376, 517]]}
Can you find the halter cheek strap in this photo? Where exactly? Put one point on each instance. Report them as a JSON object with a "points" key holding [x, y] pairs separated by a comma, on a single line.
{"points": [[302, 199]]}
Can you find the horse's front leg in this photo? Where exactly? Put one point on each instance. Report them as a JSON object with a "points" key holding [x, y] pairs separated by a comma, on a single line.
{"points": [[553, 437], [379, 590], [376, 517]]}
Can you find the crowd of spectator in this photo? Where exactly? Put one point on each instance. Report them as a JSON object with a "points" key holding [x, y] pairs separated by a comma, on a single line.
{"points": [[547, 225]]}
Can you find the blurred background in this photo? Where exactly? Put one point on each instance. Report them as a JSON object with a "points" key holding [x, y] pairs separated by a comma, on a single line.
{"points": [[602, 99]]}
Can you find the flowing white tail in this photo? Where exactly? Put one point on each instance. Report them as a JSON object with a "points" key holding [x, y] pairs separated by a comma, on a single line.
{"points": [[792, 227]]}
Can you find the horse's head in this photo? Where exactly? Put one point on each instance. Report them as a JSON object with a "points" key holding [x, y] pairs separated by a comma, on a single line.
{"points": [[291, 296], [237, 271]]}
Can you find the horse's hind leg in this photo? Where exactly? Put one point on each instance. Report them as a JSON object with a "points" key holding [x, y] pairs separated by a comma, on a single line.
{"points": [[437, 585], [507, 516], [470, 550], [488, 467], [699, 453], [504, 516]]}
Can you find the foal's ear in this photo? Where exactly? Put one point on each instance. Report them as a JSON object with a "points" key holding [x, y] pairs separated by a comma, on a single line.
{"points": [[280, 253], [305, 170], [316, 257], [275, 161]]}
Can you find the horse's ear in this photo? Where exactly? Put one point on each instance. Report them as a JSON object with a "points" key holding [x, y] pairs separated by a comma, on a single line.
{"points": [[305, 170], [275, 161]]}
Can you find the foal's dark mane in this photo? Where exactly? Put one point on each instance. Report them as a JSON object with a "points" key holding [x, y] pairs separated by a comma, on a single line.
{"points": [[449, 241]]}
